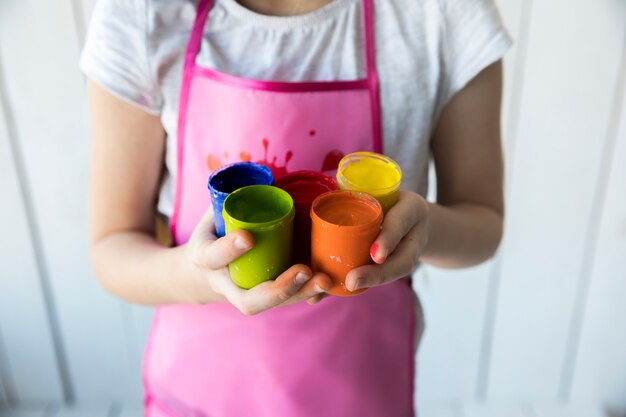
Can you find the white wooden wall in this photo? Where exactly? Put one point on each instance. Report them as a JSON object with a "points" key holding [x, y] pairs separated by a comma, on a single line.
{"points": [[542, 323]]}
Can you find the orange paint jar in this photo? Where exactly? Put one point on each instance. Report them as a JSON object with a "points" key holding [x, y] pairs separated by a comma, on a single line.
{"points": [[344, 226]]}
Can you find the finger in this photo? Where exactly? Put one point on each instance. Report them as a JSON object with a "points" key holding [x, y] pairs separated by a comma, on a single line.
{"points": [[398, 265], [400, 219], [317, 298], [216, 254], [222, 283], [272, 293], [316, 287]]}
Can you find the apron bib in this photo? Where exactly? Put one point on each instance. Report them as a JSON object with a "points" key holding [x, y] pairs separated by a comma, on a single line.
{"points": [[342, 357]]}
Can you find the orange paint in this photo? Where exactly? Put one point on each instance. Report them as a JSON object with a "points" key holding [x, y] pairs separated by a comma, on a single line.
{"points": [[213, 162], [344, 226]]}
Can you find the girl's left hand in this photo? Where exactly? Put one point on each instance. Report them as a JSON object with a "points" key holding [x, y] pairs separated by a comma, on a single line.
{"points": [[397, 248]]}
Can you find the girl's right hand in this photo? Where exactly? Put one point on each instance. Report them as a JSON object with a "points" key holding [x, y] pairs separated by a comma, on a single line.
{"points": [[210, 256]]}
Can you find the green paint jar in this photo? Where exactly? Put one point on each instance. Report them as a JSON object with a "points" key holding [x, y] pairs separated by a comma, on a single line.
{"points": [[267, 212]]}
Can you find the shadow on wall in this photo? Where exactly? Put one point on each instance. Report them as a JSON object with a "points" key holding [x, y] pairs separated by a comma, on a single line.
{"points": [[615, 413]]}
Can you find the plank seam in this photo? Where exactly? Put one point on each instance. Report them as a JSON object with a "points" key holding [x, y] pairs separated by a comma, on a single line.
{"points": [[484, 359], [51, 410], [3, 393], [591, 235], [35, 239], [493, 288], [518, 80], [528, 410], [7, 384], [79, 24], [115, 409], [129, 331]]}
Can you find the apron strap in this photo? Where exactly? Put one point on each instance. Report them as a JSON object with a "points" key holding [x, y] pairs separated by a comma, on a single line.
{"points": [[372, 73], [195, 40], [370, 46], [193, 46]]}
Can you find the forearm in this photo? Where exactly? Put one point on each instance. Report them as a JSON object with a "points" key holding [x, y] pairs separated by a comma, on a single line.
{"points": [[461, 235], [136, 268]]}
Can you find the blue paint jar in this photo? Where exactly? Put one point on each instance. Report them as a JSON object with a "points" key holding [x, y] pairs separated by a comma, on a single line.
{"points": [[231, 178]]}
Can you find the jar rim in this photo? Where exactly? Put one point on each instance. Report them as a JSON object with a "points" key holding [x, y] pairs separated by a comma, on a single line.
{"points": [[279, 194], [363, 197], [353, 157], [264, 170]]}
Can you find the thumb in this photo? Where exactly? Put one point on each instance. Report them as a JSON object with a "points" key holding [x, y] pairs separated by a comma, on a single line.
{"points": [[213, 253], [205, 229]]}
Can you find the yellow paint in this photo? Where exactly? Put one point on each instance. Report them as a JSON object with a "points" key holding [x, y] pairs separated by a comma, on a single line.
{"points": [[371, 173]]}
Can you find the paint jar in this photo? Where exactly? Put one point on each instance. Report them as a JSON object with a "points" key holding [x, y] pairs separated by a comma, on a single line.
{"points": [[304, 187], [344, 226], [372, 173], [267, 212], [231, 177]]}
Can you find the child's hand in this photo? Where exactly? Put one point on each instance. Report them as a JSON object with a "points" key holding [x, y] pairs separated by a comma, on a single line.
{"points": [[211, 256], [397, 248]]}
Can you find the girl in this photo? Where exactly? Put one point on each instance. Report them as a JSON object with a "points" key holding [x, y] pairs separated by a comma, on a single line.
{"points": [[197, 84]]}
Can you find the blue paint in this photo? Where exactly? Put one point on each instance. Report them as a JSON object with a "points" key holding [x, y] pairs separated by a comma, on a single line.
{"points": [[230, 178]]}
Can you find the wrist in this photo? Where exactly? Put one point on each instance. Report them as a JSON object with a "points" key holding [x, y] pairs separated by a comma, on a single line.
{"points": [[192, 282]]}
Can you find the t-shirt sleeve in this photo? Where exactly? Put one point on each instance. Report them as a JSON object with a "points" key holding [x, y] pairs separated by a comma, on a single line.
{"points": [[116, 53], [473, 37]]}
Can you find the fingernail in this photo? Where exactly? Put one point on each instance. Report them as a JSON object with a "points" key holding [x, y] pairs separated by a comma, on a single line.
{"points": [[376, 256], [374, 250], [319, 289], [301, 278], [355, 286], [241, 244]]}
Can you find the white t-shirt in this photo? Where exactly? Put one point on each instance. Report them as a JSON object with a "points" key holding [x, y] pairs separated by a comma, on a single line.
{"points": [[426, 51]]}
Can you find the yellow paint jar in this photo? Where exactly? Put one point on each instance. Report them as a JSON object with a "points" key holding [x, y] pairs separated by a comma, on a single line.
{"points": [[372, 173]]}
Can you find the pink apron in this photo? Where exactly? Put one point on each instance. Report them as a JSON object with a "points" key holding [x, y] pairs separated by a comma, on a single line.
{"points": [[343, 357]]}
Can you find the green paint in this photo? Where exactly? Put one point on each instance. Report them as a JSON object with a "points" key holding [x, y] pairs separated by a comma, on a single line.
{"points": [[267, 212]]}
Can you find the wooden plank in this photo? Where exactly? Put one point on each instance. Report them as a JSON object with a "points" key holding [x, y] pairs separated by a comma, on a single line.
{"points": [[570, 410], [6, 392], [3, 393], [435, 410], [455, 302], [454, 312], [600, 369], [83, 411], [142, 320], [516, 17], [496, 410], [137, 320], [131, 410], [47, 92], [556, 167], [24, 412], [86, 7], [27, 345]]}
